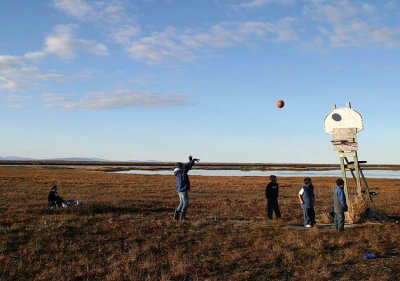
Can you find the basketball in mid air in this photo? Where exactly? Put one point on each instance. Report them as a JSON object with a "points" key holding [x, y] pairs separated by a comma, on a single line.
{"points": [[280, 103]]}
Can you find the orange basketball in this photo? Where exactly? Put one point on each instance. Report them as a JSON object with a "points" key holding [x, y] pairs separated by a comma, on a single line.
{"points": [[280, 103]]}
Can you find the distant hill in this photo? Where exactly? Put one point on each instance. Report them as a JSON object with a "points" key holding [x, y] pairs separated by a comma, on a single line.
{"points": [[17, 158], [69, 159], [143, 161], [94, 159]]}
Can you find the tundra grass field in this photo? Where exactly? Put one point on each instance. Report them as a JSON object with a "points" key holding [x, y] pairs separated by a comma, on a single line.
{"points": [[124, 230]]}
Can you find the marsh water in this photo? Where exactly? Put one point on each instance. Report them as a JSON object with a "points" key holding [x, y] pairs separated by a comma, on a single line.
{"points": [[384, 174]]}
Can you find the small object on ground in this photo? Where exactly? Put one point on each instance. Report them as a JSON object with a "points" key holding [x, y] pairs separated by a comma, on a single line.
{"points": [[308, 225], [373, 193], [71, 202], [369, 256], [301, 227]]}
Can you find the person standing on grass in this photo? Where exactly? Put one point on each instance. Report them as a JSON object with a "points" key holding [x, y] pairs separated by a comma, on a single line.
{"points": [[272, 194], [339, 205], [183, 187], [307, 200]]}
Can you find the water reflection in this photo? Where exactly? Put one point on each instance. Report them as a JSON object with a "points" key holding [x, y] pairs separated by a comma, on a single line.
{"points": [[387, 174]]}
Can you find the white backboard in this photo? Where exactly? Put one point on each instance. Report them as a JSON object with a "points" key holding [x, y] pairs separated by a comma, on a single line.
{"points": [[341, 118]]}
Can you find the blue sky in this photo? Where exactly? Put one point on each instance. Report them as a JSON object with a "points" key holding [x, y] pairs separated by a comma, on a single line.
{"points": [[162, 79]]}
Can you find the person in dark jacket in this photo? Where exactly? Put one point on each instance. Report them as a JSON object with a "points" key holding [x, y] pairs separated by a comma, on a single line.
{"points": [[183, 187], [307, 200], [272, 194], [339, 204], [54, 199]]}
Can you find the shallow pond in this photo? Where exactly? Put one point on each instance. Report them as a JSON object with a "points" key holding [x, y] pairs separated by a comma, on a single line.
{"points": [[386, 174]]}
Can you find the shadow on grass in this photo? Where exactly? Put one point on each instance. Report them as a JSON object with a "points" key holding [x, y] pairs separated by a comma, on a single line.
{"points": [[394, 218], [102, 208]]}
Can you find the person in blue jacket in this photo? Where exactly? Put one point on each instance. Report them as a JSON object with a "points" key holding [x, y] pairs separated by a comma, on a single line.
{"points": [[339, 204], [183, 187], [307, 200]]}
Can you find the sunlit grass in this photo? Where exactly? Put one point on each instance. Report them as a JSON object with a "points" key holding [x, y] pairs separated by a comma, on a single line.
{"points": [[125, 231]]}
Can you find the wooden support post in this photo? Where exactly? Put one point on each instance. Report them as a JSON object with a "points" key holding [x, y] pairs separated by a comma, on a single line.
{"points": [[349, 166], [342, 167], [357, 170], [369, 192]]}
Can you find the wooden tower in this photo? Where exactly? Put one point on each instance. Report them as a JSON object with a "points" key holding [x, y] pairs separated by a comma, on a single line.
{"points": [[344, 124]]}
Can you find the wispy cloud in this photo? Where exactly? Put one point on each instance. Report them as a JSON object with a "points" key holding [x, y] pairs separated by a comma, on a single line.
{"points": [[121, 99], [112, 17], [75, 8], [17, 101], [111, 11], [124, 34], [172, 44], [55, 97], [18, 106], [63, 43], [145, 80], [346, 24], [17, 75], [330, 24], [254, 4]]}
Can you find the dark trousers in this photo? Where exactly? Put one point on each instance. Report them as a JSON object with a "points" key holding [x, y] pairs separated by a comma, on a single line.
{"points": [[339, 221], [309, 216], [273, 206]]}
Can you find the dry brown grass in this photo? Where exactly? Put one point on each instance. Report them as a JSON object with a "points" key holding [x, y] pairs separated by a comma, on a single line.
{"points": [[124, 230], [357, 209], [324, 217]]}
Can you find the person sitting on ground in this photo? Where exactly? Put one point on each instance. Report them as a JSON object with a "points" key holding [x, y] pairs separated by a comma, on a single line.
{"points": [[307, 200], [55, 200], [183, 187], [272, 194], [339, 205]]}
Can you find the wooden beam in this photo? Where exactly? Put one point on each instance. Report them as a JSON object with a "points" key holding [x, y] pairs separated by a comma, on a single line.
{"points": [[345, 147], [345, 134], [346, 154]]}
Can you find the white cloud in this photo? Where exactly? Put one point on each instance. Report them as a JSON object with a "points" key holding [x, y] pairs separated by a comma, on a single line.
{"points": [[63, 44], [254, 4], [111, 17], [368, 8], [111, 11], [183, 46], [8, 85], [18, 106], [75, 8], [55, 97], [17, 101], [324, 23], [124, 34], [345, 24], [122, 99], [145, 80], [17, 75], [17, 98], [333, 12]]}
